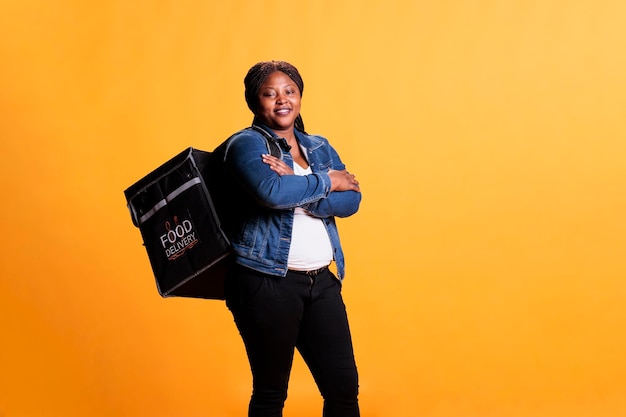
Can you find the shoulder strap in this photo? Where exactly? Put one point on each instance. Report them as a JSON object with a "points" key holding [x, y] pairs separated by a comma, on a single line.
{"points": [[274, 144]]}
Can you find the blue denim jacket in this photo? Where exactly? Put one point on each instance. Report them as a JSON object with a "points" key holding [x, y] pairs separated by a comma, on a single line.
{"points": [[261, 221]]}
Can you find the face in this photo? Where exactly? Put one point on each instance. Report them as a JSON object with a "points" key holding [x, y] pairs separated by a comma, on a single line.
{"points": [[279, 102]]}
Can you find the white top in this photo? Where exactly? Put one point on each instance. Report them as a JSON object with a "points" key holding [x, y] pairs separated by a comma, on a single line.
{"points": [[310, 244]]}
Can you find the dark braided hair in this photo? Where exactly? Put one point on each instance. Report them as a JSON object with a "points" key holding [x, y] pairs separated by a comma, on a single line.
{"points": [[256, 77]]}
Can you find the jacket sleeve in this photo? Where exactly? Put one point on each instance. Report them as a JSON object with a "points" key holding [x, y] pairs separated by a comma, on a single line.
{"points": [[337, 203], [243, 161]]}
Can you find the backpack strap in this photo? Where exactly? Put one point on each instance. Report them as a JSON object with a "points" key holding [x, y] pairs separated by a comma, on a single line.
{"points": [[274, 144]]}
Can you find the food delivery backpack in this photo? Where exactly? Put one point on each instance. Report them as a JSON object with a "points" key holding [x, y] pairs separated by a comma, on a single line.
{"points": [[175, 210]]}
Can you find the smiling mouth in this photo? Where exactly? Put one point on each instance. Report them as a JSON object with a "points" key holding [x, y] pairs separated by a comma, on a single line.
{"points": [[283, 111]]}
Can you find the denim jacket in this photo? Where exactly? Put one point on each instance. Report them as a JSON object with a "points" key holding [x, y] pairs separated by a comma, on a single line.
{"points": [[261, 210]]}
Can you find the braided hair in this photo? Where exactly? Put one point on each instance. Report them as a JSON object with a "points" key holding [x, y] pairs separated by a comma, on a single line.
{"points": [[256, 77]]}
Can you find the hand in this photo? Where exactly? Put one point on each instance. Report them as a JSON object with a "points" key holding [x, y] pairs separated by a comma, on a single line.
{"points": [[277, 165], [343, 181]]}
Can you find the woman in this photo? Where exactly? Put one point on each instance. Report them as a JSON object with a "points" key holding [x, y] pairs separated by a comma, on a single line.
{"points": [[281, 225]]}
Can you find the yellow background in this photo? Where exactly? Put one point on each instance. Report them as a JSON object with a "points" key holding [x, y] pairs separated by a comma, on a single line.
{"points": [[485, 269]]}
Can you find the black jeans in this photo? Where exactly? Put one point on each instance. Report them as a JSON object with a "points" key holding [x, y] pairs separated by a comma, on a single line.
{"points": [[274, 315]]}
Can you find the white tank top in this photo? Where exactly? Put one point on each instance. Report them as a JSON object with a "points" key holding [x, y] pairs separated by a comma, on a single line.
{"points": [[310, 244]]}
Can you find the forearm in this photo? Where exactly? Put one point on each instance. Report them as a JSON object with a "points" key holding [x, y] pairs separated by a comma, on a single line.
{"points": [[339, 204]]}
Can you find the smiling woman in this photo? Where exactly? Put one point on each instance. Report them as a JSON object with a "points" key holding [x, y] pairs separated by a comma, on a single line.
{"points": [[280, 218]]}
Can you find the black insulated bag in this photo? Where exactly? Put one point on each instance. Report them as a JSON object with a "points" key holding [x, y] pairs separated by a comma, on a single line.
{"points": [[173, 209]]}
